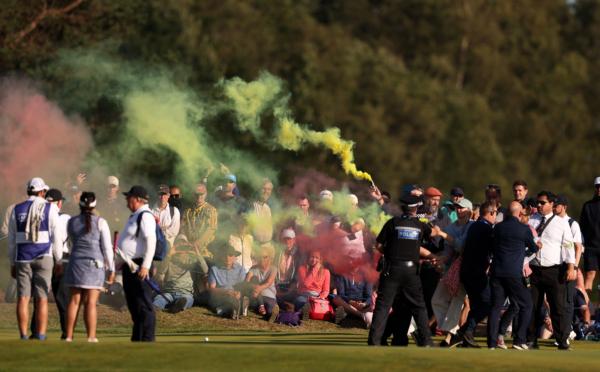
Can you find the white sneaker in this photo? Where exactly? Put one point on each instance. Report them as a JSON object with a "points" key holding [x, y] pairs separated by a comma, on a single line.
{"points": [[93, 340], [500, 342], [68, 339], [520, 347]]}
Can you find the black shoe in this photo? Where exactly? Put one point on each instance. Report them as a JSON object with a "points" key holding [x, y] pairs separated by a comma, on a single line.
{"points": [[564, 346], [177, 306], [533, 345], [455, 340], [469, 340], [444, 343]]}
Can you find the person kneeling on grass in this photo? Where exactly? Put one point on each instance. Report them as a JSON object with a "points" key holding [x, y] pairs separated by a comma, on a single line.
{"points": [[223, 279], [262, 291], [175, 276], [353, 296], [91, 257]]}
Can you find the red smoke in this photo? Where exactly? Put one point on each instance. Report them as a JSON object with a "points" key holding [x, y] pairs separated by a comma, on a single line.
{"points": [[37, 140]]}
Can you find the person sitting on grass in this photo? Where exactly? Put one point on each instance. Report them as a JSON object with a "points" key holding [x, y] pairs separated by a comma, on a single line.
{"points": [[287, 262], [175, 276], [223, 278], [313, 281], [353, 296], [263, 292]]}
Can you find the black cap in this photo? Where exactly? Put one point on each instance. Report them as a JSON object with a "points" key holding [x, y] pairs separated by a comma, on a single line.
{"points": [[411, 201], [87, 199], [137, 191], [457, 191], [561, 200], [54, 195]]}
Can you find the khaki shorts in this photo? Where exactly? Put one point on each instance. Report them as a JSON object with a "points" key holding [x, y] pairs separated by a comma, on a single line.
{"points": [[34, 277]]}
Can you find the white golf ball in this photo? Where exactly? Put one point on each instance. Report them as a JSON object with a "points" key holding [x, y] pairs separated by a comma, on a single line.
{"points": [[205, 339]]}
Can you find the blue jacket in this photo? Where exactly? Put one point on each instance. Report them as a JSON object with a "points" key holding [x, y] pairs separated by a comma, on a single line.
{"points": [[512, 241], [477, 249]]}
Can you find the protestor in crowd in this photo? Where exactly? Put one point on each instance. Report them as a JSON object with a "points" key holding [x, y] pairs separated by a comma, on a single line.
{"points": [[111, 207], [512, 242], [590, 228], [353, 295], [314, 280], [242, 242], [175, 278], [91, 259], [263, 293], [474, 272], [168, 216], [449, 296], [304, 220], [35, 244], [399, 283], [59, 289], [136, 247], [430, 273], [287, 260], [493, 194], [176, 197], [456, 195], [383, 198], [228, 202], [520, 190], [223, 279], [262, 221], [200, 226], [560, 209], [551, 269]]}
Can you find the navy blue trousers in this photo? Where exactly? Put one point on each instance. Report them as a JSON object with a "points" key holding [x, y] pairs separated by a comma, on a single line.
{"points": [[139, 301], [515, 289]]}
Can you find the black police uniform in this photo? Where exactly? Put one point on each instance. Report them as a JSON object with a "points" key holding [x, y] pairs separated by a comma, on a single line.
{"points": [[399, 283]]}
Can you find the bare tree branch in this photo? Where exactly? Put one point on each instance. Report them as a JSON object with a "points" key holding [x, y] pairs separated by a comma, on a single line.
{"points": [[45, 13]]}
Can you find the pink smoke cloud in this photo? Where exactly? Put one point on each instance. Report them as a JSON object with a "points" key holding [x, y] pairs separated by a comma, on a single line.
{"points": [[38, 139]]}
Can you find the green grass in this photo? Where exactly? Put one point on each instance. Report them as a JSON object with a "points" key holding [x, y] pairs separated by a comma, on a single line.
{"points": [[252, 345]]}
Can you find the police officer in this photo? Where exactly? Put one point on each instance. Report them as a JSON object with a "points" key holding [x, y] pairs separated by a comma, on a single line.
{"points": [[399, 283]]}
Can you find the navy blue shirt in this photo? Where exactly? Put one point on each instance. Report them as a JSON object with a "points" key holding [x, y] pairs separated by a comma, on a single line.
{"points": [[358, 289], [476, 251], [511, 241]]}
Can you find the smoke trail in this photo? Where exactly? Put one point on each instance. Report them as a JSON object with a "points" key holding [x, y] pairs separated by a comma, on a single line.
{"points": [[250, 100], [38, 139]]}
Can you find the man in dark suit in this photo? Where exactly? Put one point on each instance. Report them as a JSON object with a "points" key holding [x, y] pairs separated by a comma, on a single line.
{"points": [[474, 271], [512, 241]]}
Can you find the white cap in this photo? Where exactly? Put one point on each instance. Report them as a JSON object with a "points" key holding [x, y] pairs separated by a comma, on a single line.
{"points": [[112, 180], [37, 184], [326, 195], [597, 181], [353, 199], [288, 233]]}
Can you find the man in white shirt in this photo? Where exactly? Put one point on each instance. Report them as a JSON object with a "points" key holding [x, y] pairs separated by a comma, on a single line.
{"points": [[560, 209], [168, 216], [553, 266], [136, 247], [34, 249]]}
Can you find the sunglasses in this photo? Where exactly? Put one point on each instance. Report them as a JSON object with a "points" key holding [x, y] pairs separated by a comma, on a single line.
{"points": [[541, 202], [175, 196]]}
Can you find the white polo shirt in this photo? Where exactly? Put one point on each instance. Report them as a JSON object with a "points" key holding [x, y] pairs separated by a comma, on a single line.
{"points": [[557, 241], [169, 225], [144, 245]]}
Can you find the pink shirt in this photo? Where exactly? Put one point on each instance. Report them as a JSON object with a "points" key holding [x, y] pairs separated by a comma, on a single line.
{"points": [[311, 281]]}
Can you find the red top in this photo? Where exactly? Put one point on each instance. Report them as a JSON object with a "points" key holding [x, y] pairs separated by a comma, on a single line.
{"points": [[310, 280]]}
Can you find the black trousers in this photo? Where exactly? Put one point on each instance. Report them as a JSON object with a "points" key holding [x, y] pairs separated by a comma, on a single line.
{"points": [[549, 281], [400, 287], [478, 290], [429, 279], [516, 290], [139, 301], [570, 303]]}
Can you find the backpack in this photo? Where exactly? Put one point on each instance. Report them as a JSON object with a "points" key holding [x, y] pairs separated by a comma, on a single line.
{"points": [[320, 309], [162, 245]]}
